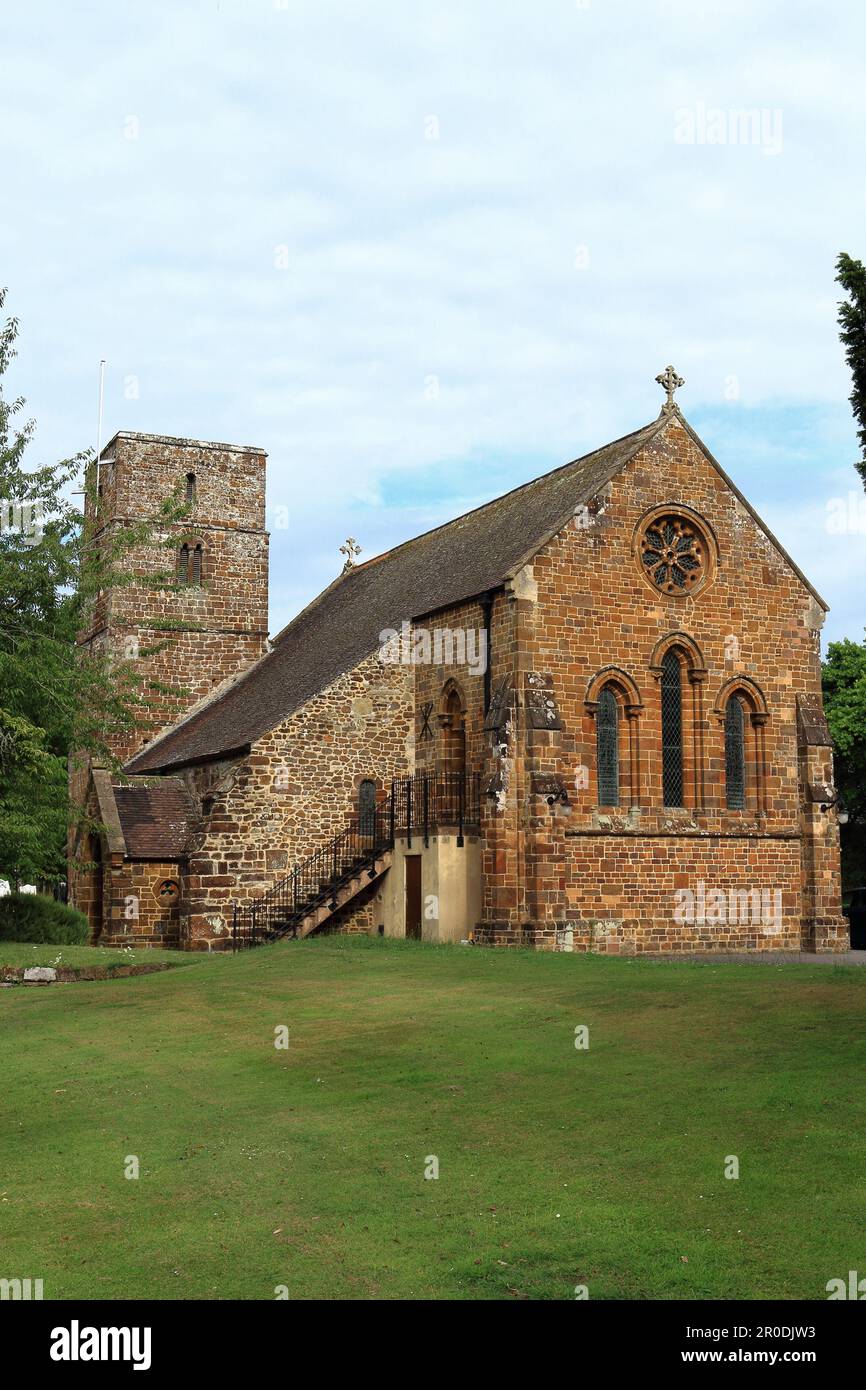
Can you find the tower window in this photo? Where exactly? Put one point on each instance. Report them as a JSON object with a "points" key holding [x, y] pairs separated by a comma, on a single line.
{"points": [[190, 487], [189, 563]]}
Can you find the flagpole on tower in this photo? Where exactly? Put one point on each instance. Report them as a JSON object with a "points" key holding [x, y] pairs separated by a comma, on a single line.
{"points": [[99, 418]]}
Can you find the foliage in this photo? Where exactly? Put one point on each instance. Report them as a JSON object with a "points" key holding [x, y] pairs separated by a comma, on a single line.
{"points": [[54, 704], [851, 275], [844, 680], [32, 917]]}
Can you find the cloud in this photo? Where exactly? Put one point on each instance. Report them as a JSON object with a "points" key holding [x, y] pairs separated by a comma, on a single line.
{"points": [[291, 223]]}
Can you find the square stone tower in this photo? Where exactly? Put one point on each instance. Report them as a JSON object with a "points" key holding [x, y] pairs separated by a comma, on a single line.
{"points": [[209, 620]]}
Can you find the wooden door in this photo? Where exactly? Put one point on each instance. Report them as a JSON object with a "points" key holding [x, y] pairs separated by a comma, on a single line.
{"points": [[413, 896]]}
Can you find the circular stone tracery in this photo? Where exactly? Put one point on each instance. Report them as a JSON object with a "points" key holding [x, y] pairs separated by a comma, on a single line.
{"points": [[674, 553], [167, 892]]}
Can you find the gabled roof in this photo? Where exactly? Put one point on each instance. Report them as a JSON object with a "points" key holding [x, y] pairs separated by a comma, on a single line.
{"points": [[472, 555], [156, 817], [469, 556]]}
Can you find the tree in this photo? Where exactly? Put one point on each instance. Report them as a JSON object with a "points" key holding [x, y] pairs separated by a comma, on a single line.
{"points": [[54, 703], [851, 275], [844, 676], [844, 680]]}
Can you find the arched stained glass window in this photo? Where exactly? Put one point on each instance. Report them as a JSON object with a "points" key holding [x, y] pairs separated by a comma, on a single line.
{"points": [[607, 737], [672, 729], [735, 754]]}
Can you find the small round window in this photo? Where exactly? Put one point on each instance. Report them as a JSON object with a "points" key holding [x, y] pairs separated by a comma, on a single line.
{"points": [[168, 891]]}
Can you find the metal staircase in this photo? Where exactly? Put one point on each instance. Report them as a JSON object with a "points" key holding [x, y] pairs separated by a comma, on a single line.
{"points": [[338, 871], [320, 885]]}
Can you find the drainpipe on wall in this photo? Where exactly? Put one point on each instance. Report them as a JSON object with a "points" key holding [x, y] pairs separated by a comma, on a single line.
{"points": [[486, 610]]}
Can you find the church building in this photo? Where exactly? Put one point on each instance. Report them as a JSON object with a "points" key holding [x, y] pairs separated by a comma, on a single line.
{"points": [[583, 717]]}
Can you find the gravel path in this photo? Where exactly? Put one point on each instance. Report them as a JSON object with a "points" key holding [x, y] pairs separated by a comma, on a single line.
{"points": [[762, 957]]}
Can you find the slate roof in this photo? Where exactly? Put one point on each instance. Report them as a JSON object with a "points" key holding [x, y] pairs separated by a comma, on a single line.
{"points": [[475, 553], [155, 817]]}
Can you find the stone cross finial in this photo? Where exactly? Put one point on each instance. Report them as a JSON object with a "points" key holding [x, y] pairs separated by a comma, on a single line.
{"points": [[670, 381], [350, 550]]}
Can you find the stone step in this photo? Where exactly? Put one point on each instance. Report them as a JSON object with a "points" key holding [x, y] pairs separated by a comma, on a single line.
{"points": [[343, 895]]}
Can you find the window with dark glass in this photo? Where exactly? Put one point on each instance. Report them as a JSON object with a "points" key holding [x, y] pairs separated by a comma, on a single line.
{"points": [[367, 805], [735, 754], [607, 736], [672, 730]]}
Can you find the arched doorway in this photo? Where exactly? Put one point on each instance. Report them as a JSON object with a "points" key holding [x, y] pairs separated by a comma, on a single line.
{"points": [[94, 911]]}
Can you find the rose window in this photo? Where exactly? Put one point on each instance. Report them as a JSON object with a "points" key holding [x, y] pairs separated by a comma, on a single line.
{"points": [[673, 552]]}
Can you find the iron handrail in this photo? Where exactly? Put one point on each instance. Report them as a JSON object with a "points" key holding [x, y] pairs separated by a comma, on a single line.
{"points": [[425, 802]]}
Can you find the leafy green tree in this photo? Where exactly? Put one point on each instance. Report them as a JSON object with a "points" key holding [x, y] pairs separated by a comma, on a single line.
{"points": [[851, 275], [844, 674], [54, 703], [844, 679]]}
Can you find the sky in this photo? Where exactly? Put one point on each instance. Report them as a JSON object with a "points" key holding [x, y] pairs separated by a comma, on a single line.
{"points": [[422, 253]]}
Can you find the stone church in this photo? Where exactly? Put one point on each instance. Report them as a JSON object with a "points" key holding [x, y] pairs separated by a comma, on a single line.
{"points": [[585, 717]]}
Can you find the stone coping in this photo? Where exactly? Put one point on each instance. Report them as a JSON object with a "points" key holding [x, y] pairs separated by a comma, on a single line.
{"points": [[69, 974]]}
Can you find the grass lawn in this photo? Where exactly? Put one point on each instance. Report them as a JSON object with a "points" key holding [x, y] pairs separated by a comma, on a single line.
{"points": [[305, 1167], [19, 953]]}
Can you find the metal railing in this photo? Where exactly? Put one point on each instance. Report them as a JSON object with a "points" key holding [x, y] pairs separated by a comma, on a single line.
{"points": [[415, 806], [315, 882], [430, 802]]}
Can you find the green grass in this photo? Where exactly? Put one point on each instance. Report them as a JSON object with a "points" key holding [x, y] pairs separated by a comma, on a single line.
{"points": [[22, 953], [558, 1167]]}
